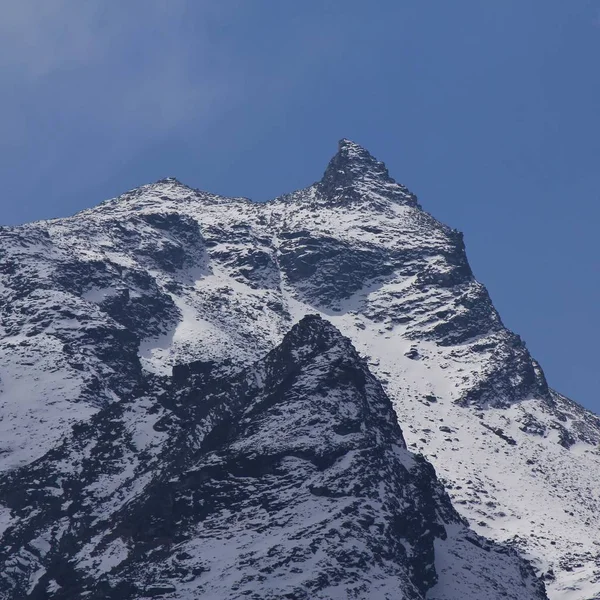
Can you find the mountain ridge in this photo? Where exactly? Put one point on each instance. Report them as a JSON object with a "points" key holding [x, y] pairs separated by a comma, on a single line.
{"points": [[166, 275]]}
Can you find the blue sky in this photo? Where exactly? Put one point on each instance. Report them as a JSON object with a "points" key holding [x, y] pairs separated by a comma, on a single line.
{"points": [[488, 111]]}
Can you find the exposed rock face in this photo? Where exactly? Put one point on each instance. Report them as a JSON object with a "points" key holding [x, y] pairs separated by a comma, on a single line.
{"points": [[288, 480], [353, 175], [98, 308]]}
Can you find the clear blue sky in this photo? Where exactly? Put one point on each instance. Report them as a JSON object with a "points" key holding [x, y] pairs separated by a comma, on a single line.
{"points": [[488, 111]]}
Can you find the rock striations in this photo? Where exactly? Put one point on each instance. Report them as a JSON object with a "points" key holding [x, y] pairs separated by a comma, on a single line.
{"points": [[173, 424]]}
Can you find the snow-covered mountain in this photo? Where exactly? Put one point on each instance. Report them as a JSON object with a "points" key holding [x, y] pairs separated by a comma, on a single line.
{"points": [[98, 309], [289, 480]]}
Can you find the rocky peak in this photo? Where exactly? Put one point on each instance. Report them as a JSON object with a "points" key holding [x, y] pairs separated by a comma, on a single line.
{"points": [[313, 335], [330, 400], [354, 174]]}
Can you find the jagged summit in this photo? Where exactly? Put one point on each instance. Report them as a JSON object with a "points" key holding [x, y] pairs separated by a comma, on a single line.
{"points": [[354, 174], [352, 177]]}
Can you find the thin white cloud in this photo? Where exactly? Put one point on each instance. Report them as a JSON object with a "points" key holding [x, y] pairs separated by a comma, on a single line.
{"points": [[38, 37], [108, 67], [88, 84]]}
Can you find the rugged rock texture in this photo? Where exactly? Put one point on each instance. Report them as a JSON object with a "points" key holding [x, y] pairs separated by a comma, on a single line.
{"points": [[289, 480], [165, 275]]}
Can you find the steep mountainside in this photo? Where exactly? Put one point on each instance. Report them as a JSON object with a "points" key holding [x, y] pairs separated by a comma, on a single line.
{"points": [[166, 275], [289, 480]]}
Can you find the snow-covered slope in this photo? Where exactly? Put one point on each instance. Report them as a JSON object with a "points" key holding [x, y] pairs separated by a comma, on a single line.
{"points": [[165, 275], [289, 480]]}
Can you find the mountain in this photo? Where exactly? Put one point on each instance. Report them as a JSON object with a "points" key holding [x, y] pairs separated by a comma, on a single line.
{"points": [[166, 283], [289, 480]]}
